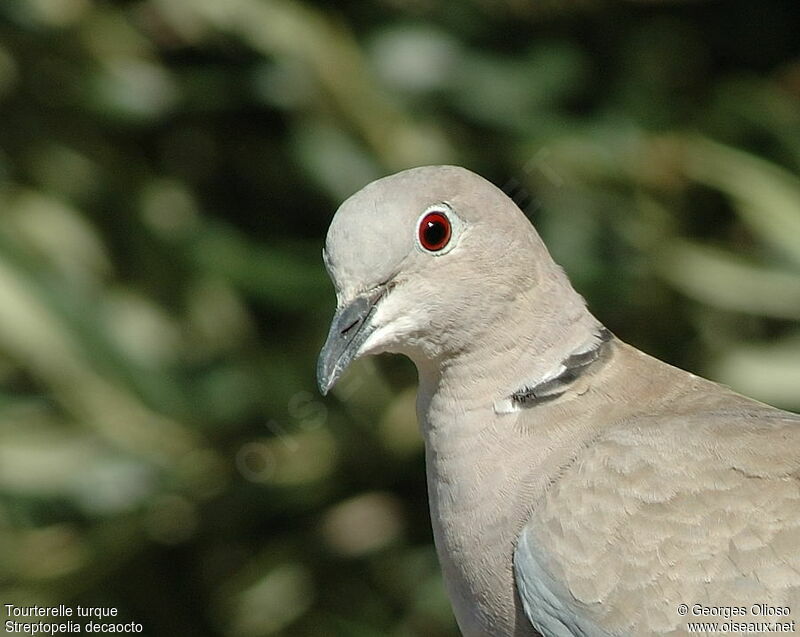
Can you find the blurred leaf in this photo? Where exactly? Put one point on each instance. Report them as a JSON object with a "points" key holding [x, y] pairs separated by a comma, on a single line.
{"points": [[766, 197], [132, 90], [281, 27], [713, 276], [275, 274], [768, 372], [271, 603], [513, 93], [57, 234], [415, 59], [744, 104], [333, 160]]}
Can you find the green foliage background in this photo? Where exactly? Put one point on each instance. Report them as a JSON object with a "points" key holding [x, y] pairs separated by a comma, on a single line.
{"points": [[167, 172]]}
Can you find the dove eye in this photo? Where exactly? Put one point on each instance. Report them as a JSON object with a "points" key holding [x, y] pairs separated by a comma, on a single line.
{"points": [[434, 231]]}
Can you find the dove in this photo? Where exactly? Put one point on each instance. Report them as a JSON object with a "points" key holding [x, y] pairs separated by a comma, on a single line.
{"points": [[577, 486]]}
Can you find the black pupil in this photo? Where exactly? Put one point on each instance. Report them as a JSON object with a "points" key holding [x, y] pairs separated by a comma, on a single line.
{"points": [[435, 232]]}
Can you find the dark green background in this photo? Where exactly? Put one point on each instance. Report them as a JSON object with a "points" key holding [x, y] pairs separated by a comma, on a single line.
{"points": [[168, 169]]}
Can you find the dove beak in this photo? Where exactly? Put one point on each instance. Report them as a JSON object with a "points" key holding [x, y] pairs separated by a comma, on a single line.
{"points": [[351, 326]]}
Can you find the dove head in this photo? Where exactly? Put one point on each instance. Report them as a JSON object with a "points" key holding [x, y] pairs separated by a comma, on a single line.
{"points": [[424, 263]]}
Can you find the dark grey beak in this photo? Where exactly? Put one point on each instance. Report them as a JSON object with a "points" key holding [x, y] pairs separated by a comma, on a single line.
{"points": [[350, 327]]}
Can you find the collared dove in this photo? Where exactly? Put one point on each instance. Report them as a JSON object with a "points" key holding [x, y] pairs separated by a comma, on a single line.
{"points": [[577, 486]]}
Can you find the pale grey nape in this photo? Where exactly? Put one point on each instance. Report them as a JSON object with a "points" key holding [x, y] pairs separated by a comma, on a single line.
{"points": [[577, 486]]}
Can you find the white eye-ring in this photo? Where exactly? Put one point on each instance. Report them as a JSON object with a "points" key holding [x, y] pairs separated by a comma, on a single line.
{"points": [[438, 229]]}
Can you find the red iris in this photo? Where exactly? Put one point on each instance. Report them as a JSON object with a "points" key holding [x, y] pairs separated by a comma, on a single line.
{"points": [[434, 231]]}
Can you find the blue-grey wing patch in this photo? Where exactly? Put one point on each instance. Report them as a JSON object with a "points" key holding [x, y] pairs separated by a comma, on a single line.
{"points": [[548, 605]]}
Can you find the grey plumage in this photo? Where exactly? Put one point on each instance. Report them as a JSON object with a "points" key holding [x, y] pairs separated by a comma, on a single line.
{"points": [[577, 486]]}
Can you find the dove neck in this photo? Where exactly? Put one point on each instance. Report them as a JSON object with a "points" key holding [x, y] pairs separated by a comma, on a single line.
{"points": [[525, 343]]}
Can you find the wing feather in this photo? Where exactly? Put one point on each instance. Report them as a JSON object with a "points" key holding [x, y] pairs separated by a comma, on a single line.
{"points": [[667, 510]]}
